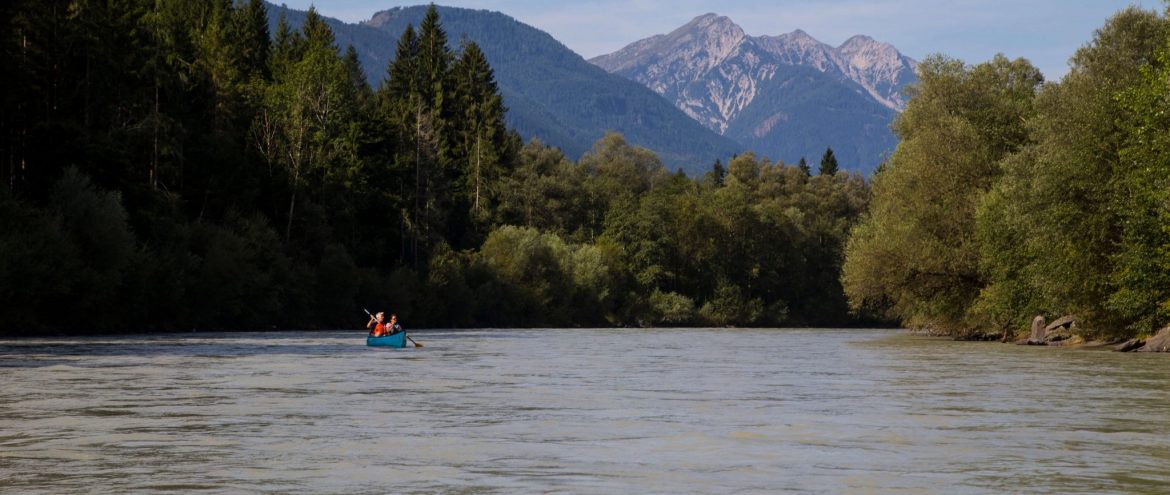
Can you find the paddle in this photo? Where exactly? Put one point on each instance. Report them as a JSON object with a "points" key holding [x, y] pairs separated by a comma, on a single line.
{"points": [[416, 344], [371, 317]]}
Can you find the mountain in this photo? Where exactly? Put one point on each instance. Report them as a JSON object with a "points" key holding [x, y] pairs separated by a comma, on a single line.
{"points": [[786, 96], [551, 92]]}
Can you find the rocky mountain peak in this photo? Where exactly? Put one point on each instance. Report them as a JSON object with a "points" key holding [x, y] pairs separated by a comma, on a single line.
{"points": [[710, 20], [879, 68], [857, 39], [383, 17], [799, 48], [863, 51], [695, 47], [723, 78], [715, 35]]}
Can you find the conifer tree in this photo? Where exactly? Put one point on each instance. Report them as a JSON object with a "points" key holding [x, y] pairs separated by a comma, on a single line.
{"points": [[482, 128], [287, 45], [434, 61], [828, 163], [718, 172], [317, 33], [357, 77], [251, 38]]}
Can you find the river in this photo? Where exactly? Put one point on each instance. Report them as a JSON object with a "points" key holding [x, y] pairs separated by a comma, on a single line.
{"points": [[579, 411]]}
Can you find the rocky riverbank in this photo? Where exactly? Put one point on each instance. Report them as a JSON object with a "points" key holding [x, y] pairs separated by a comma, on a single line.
{"points": [[1064, 332]]}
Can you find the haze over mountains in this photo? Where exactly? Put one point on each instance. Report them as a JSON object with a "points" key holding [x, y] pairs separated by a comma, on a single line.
{"points": [[702, 92], [783, 96]]}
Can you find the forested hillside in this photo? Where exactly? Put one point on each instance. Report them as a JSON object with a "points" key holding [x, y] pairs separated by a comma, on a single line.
{"points": [[175, 165], [551, 92], [1008, 198]]}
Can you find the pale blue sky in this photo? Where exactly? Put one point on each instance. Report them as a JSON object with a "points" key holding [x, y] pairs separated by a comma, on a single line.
{"points": [[1046, 32]]}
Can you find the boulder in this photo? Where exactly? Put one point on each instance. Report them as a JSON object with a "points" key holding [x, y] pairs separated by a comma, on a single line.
{"points": [[1037, 329], [1067, 322], [1160, 342], [1130, 345]]}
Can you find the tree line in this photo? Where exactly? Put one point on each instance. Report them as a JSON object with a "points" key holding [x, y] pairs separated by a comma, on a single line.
{"points": [[174, 165], [1009, 197]]}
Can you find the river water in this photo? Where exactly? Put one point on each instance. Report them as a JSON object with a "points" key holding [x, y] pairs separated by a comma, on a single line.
{"points": [[579, 411]]}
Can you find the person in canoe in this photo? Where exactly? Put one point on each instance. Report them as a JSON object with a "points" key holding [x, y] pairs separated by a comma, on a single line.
{"points": [[377, 322], [381, 327], [392, 327]]}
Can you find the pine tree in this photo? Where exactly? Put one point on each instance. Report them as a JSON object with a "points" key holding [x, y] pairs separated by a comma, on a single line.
{"points": [[718, 173], [357, 77], [828, 163], [251, 38], [434, 60], [482, 129], [317, 32], [804, 168], [400, 102], [287, 46]]}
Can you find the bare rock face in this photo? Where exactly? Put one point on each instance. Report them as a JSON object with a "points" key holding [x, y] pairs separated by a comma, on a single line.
{"points": [[748, 87], [1160, 342], [711, 69]]}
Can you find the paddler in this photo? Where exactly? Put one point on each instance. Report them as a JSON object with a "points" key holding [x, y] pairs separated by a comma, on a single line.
{"points": [[393, 327], [376, 321]]}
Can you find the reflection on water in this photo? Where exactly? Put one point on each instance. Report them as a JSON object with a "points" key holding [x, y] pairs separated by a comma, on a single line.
{"points": [[626, 411]]}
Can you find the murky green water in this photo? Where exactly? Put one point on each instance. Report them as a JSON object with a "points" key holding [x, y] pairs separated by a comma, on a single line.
{"points": [[579, 411]]}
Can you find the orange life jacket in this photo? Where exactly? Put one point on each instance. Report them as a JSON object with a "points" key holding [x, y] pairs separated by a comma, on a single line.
{"points": [[379, 330]]}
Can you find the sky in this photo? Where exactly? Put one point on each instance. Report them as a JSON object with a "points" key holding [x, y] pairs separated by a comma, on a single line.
{"points": [[1046, 32]]}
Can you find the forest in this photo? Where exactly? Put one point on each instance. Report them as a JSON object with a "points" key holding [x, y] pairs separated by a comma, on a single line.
{"points": [[172, 165], [1010, 197]]}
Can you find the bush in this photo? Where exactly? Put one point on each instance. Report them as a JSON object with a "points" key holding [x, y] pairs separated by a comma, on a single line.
{"points": [[671, 308]]}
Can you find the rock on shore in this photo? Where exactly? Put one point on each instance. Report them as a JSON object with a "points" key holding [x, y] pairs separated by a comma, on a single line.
{"points": [[1160, 342], [1062, 331]]}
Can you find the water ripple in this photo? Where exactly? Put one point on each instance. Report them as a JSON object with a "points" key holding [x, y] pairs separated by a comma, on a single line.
{"points": [[579, 411]]}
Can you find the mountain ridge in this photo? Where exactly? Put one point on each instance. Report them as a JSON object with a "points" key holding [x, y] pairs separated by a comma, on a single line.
{"points": [[551, 92], [714, 72]]}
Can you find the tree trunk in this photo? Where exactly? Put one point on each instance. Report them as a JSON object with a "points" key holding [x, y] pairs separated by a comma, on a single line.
{"points": [[478, 147], [417, 180], [292, 202], [154, 153]]}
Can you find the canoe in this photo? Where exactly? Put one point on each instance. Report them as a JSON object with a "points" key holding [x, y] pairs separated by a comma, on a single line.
{"points": [[392, 340]]}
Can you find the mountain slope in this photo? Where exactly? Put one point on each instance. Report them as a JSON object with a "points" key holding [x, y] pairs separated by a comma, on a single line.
{"points": [[785, 96], [551, 92]]}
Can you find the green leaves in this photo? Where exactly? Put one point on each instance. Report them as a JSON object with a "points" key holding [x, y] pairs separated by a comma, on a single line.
{"points": [[917, 251], [1006, 200], [226, 182]]}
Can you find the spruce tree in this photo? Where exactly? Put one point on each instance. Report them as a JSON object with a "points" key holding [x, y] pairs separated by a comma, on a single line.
{"points": [[718, 173], [287, 46], [804, 168], [357, 77], [828, 163], [317, 32], [251, 38], [434, 59], [482, 129]]}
